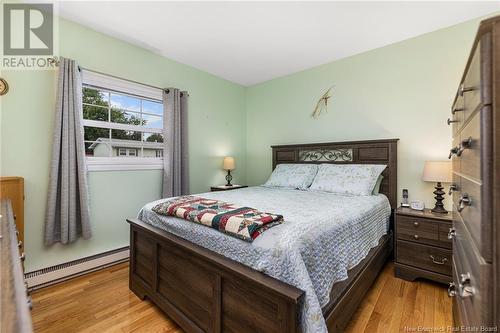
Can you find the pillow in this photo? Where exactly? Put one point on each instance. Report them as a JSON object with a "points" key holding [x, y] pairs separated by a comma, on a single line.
{"points": [[298, 176], [376, 189], [352, 179]]}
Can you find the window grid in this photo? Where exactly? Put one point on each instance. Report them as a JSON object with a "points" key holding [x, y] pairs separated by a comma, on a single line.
{"points": [[109, 124]]}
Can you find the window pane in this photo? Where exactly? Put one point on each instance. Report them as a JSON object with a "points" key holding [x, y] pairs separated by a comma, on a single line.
{"points": [[95, 97], [98, 149], [124, 117], [94, 133], [152, 121], [95, 113], [152, 107], [125, 102], [152, 137], [152, 145]]}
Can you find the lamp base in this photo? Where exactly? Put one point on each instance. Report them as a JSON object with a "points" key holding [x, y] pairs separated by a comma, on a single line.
{"points": [[229, 178], [439, 207]]}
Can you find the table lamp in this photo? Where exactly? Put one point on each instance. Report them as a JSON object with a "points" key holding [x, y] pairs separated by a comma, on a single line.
{"points": [[438, 172], [228, 164]]}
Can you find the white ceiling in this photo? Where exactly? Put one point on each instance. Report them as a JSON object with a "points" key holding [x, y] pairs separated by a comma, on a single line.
{"points": [[251, 42]]}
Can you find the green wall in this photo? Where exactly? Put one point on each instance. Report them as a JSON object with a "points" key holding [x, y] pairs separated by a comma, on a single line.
{"points": [[216, 121], [403, 90]]}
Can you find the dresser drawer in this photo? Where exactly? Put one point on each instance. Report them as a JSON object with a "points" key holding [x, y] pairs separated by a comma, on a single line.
{"points": [[417, 230], [426, 257], [468, 264], [471, 215], [470, 140], [470, 89]]}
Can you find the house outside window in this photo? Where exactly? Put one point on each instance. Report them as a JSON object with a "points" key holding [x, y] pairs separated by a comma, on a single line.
{"points": [[123, 123]]}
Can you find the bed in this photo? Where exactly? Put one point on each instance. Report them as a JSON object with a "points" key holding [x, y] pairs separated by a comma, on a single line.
{"points": [[209, 282]]}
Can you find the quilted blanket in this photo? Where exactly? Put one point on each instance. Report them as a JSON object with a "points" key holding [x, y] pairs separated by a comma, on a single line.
{"points": [[242, 222]]}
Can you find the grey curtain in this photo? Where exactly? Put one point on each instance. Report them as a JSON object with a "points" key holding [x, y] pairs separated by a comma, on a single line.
{"points": [[175, 146], [67, 215]]}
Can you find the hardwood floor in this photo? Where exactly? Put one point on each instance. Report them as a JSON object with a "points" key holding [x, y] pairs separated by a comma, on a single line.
{"points": [[102, 302]]}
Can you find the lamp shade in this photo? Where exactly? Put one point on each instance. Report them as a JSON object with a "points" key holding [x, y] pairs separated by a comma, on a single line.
{"points": [[437, 171], [228, 163]]}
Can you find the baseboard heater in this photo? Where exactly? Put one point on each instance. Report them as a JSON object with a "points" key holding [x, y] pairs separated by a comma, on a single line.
{"points": [[62, 272]]}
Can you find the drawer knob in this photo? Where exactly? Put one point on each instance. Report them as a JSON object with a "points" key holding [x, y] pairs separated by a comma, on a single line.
{"points": [[416, 224], [451, 121], [464, 200], [452, 234], [466, 143], [438, 262], [455, 110], [30, 303], [415, 236], [453, 188], [463, 89], [464, 287], [22, 257], [452, 289], [453, 151], [20, 244]]}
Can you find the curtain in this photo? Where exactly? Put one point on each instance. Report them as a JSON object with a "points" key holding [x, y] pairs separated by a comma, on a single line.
{"points": [[67, 215], [175, 146]]}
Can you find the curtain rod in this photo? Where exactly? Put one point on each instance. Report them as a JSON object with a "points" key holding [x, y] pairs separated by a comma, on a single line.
{"points": [[80, 68]]}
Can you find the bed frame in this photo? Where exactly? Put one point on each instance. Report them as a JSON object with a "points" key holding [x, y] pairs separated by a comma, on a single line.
{"points": [[203, 291]]}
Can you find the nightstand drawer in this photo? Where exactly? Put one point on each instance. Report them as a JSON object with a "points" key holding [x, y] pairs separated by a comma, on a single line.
{"points": [[417, 230], [426, 257]]}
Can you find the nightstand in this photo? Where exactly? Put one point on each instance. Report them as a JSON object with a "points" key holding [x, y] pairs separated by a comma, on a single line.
{"points": [[226, 188], [422, 247]]}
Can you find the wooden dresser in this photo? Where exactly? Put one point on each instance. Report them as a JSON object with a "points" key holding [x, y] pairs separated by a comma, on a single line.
{"points": [[475, 119], [12, 188], [15, 302], [423, 249]]}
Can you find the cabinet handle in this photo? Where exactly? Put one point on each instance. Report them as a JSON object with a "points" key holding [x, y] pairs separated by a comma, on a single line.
{"points": [[416, 224], [464, 200], [452, 289], [442, 262], [451, 121], [464, 287], [466, 143], [30, 303], [452, 233], [453, 151], [463, 89], [415, 236], [20, 244], [453, 188], [455, 110], [22, 257]]}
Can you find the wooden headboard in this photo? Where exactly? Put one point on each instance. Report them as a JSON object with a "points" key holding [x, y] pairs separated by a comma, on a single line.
{"points": [[349, 152]]}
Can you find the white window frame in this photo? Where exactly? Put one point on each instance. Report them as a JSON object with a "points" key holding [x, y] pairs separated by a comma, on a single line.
{"points": [[120, 86]]}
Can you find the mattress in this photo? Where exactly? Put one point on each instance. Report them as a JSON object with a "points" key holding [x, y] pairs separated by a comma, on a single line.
{"points": [[324, 235]]}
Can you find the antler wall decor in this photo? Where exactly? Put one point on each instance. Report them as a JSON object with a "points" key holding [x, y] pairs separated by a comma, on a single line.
{"points": [[322, 104]]}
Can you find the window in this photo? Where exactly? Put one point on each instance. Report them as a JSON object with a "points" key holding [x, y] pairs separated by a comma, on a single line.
{"points": [[123, 124]]}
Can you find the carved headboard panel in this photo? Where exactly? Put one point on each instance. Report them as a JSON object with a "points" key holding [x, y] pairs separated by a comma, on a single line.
{"points": [[349, 152]]}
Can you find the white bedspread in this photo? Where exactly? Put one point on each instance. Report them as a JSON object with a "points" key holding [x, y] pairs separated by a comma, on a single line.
{"points": [[324, 235]]}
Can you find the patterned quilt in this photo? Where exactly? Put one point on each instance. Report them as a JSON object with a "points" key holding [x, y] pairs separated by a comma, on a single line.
{"points": [[242, 222], [325, 235]]}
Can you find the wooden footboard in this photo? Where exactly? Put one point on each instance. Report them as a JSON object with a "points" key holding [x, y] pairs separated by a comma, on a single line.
{"points": [[205, 292]]}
